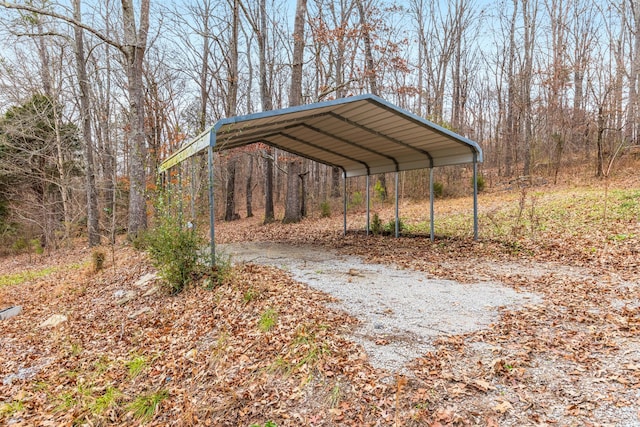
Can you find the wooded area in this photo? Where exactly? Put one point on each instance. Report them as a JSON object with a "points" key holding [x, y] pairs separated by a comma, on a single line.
{"points": [[94, 95]]}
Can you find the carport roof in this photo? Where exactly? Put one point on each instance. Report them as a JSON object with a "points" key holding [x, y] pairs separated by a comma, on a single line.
{"points": [[362, 135]]}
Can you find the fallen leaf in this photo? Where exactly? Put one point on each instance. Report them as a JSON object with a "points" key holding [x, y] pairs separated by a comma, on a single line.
{"points": [[502, 407], [482, 385]]}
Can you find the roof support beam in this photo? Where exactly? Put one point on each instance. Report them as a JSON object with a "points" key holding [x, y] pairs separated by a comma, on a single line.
{"points": [[434, 127], [338, 138], [298, 153], [326, 150], [277, 124], [382, 135]]}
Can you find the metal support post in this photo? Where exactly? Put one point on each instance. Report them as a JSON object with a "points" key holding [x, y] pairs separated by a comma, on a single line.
{"points": [[344, 208], [368, 210], [179, 195], [212, 232], [432, 223], [192, 190], [475, 196], [397, 217]]}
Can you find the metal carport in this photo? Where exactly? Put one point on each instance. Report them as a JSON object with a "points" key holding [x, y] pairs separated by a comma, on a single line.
{"points": [[362, 135]]}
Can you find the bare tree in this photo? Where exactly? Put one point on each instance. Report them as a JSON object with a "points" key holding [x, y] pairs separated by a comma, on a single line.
{"points": [[370, 72], [292, 204], [231, 107], [93, 228], [133, 47]]}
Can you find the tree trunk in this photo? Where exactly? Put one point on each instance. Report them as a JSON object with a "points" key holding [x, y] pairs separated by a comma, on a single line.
{"points": [[510, 132], [303, 195], [230, 110], [230, 213], [633, 125], [295, 92], [134, 47], [93, 228], [249, 188], [269, 215], [529, 11], [292, 203], [599, 143], [335, 182], [370, 70], [267, 105]]}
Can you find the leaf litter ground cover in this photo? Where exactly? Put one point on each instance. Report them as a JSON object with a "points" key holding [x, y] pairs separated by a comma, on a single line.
{"points": [[267, 348]]}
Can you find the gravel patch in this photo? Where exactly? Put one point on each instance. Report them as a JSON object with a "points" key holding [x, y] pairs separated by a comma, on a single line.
{"points": [[400, 311]]}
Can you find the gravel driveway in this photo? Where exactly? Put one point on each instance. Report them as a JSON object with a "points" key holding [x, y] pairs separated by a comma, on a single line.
{"points": [[401, 311]]}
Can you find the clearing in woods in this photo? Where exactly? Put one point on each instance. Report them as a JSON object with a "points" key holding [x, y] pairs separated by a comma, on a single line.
{"points": [[535, 324]]}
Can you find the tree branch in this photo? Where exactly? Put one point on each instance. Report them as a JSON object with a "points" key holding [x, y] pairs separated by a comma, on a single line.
{"points": [[67, 19]]}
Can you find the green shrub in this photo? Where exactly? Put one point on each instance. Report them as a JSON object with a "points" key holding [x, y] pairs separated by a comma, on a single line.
{"points": [[325, 209], [438, 189], [174, 248], [390, 228], [481, 183], [380, 191], [356, 199], [376, 224], [97, 257], [36, 245], [267, 424], [20, 245]]}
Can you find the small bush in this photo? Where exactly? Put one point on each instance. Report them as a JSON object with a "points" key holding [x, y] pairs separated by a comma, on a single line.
{"points": [[20, 245], [380, 191], [481, 183], [390, 228], [325, 209], [36, 245], [356, 199], [438, 189], [376, 224], [97, 258], [139, 241], [267, 424], [174, 249]]}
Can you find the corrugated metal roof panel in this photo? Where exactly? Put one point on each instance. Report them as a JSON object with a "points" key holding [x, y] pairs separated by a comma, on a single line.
{"points": [[362, 135]]}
